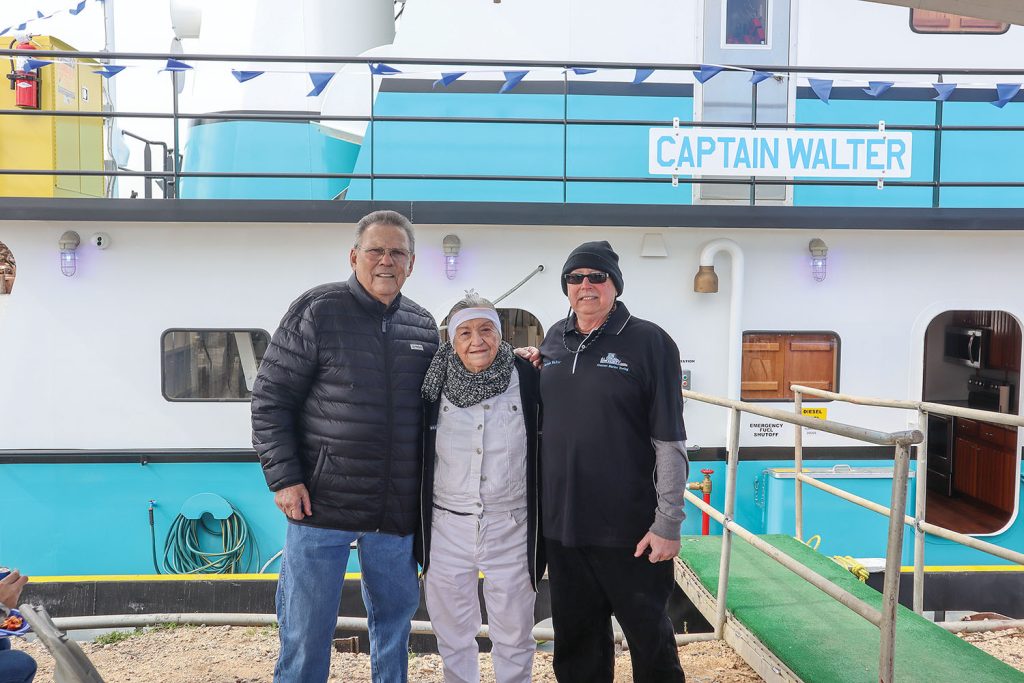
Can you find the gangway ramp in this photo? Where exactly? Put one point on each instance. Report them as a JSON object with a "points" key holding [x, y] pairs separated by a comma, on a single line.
{"points": [[788, 630]]}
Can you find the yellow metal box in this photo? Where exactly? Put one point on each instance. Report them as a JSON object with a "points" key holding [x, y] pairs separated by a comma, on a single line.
{"points": [[40, 142]]}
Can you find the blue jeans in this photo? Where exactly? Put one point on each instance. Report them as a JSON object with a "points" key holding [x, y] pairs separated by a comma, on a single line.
{"points": [[309, 593], [15, 665]]}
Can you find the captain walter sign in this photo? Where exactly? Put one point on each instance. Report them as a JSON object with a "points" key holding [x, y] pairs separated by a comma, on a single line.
{"points": [[744, 152]]}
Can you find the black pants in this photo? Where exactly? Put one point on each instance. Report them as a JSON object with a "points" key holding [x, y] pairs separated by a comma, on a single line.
{"points": [[590, 584]]}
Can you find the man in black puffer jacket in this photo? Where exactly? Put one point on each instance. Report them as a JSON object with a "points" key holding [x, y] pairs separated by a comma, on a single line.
{"points": [[336, 422]]}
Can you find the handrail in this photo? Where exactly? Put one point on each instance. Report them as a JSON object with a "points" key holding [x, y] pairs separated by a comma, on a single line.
{"points": [[927, 406], [921, 527], [427, 66], [850, 431], [554, 64], [885, 618]]}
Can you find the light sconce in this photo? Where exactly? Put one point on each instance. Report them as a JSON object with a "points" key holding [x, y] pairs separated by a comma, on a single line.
{"points": [[68, 244], [819, 258], [451, 245]]}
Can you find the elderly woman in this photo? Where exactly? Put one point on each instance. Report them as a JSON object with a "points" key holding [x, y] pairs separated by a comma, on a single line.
{"points": [[480, 502]]}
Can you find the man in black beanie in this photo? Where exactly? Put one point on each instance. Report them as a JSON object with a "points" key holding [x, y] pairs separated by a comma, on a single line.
{"points": [[614, 469]]}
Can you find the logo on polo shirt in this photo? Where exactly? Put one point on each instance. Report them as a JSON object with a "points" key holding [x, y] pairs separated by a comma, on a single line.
{"points": [[612, 361]]}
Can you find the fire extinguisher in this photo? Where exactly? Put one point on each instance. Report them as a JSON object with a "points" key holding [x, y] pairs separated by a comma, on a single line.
{"points": [[24, 82]]}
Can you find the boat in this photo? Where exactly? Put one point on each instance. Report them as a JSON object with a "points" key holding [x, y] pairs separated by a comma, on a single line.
{"points": [[840, 165]]}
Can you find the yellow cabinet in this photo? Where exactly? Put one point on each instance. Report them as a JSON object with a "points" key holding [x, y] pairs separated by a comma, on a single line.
{"points": [[39, 142]]}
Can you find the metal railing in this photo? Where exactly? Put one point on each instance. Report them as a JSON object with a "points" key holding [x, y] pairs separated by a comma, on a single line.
{"points": [[884, 619], [173, 174], [920, 526]]}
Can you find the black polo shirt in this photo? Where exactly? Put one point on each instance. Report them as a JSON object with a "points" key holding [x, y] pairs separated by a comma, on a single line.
{"points": [[602, 407]]}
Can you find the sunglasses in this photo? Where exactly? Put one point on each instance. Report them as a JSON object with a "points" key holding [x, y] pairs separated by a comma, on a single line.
{"points": [[577, 278]]}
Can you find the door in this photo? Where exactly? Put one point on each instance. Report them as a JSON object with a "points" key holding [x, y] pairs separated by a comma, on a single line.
{"points": [[745, 32]]}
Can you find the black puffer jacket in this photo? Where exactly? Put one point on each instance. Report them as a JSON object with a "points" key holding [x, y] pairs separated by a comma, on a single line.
{"points": [[336, 406]]}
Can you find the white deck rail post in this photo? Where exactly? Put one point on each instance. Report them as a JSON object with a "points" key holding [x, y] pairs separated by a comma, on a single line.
{"points": [[730, 512], [893, 562], [798, 463], [919, 510]]}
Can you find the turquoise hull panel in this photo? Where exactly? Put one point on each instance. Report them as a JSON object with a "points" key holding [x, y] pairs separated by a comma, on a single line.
{"points": [[265, 146]]}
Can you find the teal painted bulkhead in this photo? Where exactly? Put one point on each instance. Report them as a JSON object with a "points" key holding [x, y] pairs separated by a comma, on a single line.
{"points": [[963, 156], [270, 147], [549, 150], [519, 149], [92, 519]]}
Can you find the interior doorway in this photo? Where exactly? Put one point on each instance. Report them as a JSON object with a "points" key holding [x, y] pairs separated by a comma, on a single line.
{"points": [[972, 359]]}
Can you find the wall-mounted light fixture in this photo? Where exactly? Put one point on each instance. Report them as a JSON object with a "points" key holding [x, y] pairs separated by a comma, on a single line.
{"points": [[451, 244], [819, 258], [68, 244]]}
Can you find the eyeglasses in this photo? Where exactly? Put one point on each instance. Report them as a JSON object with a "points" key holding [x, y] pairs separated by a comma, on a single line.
{"points": [[378, 253], [577, 278]]}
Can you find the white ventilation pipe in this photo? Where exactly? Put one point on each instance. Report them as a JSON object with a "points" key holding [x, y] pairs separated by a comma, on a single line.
{"points": [[735, 338]]}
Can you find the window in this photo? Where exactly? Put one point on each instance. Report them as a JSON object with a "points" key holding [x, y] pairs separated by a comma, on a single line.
{"points": [[211, 365], [7, 270], [518, 327], [772, 361], [746, 22], [930, 21]]}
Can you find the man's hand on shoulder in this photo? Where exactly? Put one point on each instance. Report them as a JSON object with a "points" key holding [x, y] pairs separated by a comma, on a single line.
{"points": [[293, 501], [530, 353], [661, 549]]}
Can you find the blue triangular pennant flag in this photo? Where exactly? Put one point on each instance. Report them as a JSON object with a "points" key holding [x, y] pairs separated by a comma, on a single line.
{"points": [[1005, 92], [40, 15], [22, 27], [320, 80], [821, 87], [33, 64], [876, 88], [759, 76], [175, 65], [944, 90], [243, 76], [512, 79], [449, 78], [109, 70], [706, 73], [77, 9], [642, 75], [579, 71], [381, 69]]}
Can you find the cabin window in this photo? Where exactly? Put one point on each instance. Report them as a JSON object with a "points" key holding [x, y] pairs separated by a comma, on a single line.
{"points": [[772, 361], [7, 270], [518, 327], [746, 22], [211, 365], [930, 21]]}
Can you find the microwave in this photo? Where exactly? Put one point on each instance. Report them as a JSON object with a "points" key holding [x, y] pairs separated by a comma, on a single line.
{"points": [[966, 346]]}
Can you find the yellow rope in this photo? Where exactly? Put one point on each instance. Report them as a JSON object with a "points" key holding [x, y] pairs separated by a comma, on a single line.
{"points": [[855, 567], [844, 561]]}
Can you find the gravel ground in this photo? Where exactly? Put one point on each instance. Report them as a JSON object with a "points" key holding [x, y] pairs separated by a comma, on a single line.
{"points": [[226, 654]]}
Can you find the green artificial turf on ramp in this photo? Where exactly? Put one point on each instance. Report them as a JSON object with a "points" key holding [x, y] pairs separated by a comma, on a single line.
{"points": [[818, 638]]}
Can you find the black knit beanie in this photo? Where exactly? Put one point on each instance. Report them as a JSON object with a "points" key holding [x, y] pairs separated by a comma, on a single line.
{"points": [[596, 255]]}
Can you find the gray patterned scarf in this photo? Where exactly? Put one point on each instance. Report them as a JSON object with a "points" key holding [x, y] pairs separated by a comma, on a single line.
{"points": [[447, 374]]}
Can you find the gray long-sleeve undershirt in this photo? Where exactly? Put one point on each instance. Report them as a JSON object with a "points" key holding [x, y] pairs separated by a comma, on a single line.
{"points": [[671, 470]]}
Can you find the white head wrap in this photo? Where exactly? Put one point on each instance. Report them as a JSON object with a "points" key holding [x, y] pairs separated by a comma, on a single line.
{"points": [[472, 314]]}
